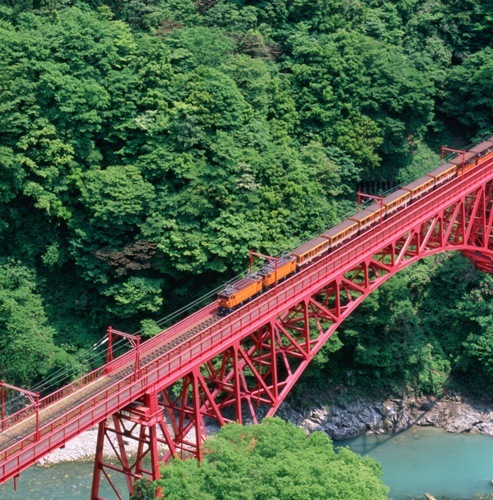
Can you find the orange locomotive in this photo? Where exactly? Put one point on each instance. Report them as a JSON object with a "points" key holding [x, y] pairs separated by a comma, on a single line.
{"points": [[246, 289]]}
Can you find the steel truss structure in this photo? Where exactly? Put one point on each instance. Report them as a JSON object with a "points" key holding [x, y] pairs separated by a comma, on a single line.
{"points": [[208, 370], [250, 377]]}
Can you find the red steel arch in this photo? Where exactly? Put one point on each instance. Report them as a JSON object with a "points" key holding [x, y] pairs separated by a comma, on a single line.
{"points": [[210, 369]]}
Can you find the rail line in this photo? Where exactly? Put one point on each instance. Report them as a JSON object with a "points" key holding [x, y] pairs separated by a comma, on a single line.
{"points": [[250, 358], [25, 428]]}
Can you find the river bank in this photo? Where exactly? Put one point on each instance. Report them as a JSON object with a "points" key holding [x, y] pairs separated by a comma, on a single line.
{"points": [[83, 448], [342, 417], [447, 466], [346, 417]]}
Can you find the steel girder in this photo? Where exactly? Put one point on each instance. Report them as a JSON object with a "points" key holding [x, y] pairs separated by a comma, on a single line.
{"points": [[141, 422], [207, 369], [250, 377]]}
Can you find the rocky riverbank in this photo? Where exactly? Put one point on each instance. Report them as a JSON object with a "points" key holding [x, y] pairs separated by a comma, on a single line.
{"points": [[355, 416], [342, 418]]}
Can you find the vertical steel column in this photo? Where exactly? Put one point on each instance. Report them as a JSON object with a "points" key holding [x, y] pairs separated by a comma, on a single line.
{"points": [[197, 415], [98, 460], [237, 388], [273, 351]]}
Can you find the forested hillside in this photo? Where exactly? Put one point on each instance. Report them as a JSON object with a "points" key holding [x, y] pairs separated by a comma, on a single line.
{"points": [[147, 145]]}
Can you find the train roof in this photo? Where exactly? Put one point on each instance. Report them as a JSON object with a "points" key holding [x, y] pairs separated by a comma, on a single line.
{"points": [[306, 247], [459, 159], [345, 224], [362, 214], [482, 146], [239, 285], [417, 183], [271, 266], [442, 168], [395, 196], [283, 259]]}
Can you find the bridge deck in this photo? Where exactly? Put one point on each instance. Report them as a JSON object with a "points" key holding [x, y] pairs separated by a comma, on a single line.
{"points": [[171, 355], [20, 433]]}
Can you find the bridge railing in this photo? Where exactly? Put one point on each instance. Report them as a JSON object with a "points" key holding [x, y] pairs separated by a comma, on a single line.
{"points": [[110, 398], [211, 341], [28, 411], [16, 417], [72, 387], [122, 360], [117, 363], [149, 345]]}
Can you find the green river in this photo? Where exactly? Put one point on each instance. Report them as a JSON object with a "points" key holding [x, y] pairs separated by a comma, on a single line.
{"points": [[415, 462]]}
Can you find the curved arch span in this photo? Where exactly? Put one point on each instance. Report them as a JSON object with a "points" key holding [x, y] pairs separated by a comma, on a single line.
{"points": [[278, 334], [243, 365]]}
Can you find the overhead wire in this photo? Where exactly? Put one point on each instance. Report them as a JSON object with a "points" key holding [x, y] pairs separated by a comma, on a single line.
{"points": [[63, 374], [91, 355]]}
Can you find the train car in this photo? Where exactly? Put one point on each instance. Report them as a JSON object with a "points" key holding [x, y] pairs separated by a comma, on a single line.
{"points": [[483, 148], [308, 251], [477, 155], [464, 162], [367, 217], [483, 151], [420, 186], [270, 273], [397, 199], [247, 288], [443, 173], [239, 292], [340, 233]]}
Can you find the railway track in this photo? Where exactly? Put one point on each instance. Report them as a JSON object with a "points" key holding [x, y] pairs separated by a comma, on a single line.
{"points": [[27, 426], [168, 346]]}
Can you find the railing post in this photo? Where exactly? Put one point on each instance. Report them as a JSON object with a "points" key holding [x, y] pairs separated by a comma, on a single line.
{"points": [[109, 352], [36, 408], [134, 342], [33, 398]]}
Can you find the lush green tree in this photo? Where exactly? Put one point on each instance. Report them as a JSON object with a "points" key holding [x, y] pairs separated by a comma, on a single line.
{"points": [[71, 197], [427, 328], [360, 93], [413, 355], [27, 348], [147, 145], [472, 85], [271, 460], [457, 310]]}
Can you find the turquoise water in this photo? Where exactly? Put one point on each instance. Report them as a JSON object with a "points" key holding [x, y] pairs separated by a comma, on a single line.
{"points": [[426, 460], [67, 481], [415, 462]]}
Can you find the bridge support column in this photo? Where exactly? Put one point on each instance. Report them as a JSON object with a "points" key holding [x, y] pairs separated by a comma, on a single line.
{"points": [[141, 422]]}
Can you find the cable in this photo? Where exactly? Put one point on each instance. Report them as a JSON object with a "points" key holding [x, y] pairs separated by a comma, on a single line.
{"points": [[194, 303], [53, 381]]}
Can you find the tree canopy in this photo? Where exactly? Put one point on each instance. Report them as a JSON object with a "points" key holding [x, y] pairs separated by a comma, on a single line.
{"points": [[274, 459]]}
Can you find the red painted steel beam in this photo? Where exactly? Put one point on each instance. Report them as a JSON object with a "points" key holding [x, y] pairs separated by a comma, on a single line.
{"points": [[324, 293]]}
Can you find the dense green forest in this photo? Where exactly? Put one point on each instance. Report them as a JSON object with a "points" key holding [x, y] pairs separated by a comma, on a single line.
{"points": [[147, 145]]}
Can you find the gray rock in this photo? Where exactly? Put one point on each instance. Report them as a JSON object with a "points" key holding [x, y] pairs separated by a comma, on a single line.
{"points": [[352, 418]]}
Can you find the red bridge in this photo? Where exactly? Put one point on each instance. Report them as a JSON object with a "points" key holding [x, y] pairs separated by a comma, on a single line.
{"points": [[242, 366]]}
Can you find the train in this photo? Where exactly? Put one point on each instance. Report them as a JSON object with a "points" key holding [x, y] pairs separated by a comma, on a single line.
{"points": [[246, 289]]}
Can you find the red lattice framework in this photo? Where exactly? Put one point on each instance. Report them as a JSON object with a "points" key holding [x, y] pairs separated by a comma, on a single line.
{"points": [[275, 337]]}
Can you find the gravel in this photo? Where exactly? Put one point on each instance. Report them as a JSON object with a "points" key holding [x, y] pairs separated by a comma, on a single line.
{"points": [[83, 448]]}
